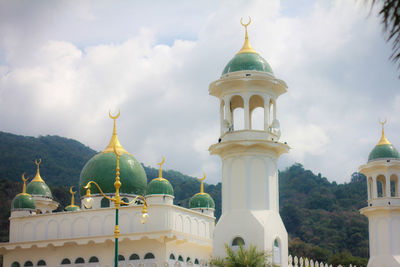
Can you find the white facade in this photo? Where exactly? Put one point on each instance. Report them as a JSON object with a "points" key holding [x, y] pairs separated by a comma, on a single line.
{"points": [[250, 193], [54, 237], [383, 211]]}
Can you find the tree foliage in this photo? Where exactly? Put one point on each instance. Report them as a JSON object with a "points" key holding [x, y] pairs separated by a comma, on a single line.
{"points": [[243, 257]]}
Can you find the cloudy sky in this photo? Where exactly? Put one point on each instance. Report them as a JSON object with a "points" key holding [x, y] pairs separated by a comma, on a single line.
{"points": [[65, 64]]}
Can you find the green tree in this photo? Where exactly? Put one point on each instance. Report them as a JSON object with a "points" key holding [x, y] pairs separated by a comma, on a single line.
{"points": [[250, 257]]}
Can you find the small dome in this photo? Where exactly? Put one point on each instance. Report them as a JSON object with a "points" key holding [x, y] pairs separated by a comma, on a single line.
{"points": [[247, 61], [201, 200], [37, 188], [72, 208], [23, 201], [101, 169], [385, 151], [160, 186]]}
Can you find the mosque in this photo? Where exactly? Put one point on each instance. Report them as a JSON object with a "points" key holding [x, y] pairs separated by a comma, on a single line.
{"points": [[152, 231]]}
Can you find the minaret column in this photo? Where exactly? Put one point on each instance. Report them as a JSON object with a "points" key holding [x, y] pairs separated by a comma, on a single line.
{"points": [[266, 112], [247, 120], [221, 115], [387, 179], [374, 188], [228, 113]]}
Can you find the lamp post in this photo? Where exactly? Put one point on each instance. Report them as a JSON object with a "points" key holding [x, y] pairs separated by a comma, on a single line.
{"points": [[88, 202]]}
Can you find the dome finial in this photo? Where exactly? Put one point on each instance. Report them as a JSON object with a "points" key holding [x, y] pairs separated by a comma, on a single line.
{"points": [[38, 178], [246, 46], [202, 184], [24, 186], [383, 140], [72, 196], [114, 142], [160, 170]]}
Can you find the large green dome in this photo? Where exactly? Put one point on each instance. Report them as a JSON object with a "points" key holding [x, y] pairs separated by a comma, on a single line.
{"points": [[38, 188], [247, 61], [160, 186], [23, 201], [101, 169], [201, 200], [385, 151]]}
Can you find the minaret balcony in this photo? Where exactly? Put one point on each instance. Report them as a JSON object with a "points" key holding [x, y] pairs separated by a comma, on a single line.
{"points": [[384, 201]]}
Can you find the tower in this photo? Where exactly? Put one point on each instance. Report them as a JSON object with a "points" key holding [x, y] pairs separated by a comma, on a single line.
{"points": [[250, 197], [383, 211]]}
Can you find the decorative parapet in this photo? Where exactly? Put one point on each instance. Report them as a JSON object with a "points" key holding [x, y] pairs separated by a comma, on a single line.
{"points": [[305, 262]]}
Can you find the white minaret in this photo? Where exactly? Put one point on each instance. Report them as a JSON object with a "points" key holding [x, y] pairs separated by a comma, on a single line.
{"points": [[383, 171], [250, 194]]}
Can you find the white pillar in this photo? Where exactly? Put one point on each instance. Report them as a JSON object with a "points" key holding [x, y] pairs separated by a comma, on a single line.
{"points": [[387, 181], [266, 113], [221, 116], [246, 113], [374, 188], [228, 115]]}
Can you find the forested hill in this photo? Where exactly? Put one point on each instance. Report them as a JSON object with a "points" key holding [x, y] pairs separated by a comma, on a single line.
{"points": [[321, 217]]}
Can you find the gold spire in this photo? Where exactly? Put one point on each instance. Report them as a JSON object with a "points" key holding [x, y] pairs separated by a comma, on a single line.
{"points": [[24, 186], [114, 142], [38, 178], [160, 170], [383, 140], [202, 185], [72, 198], [246, 46]]}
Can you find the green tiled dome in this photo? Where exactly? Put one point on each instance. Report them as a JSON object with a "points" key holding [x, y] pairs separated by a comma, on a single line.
{"points": [[38, 188], [247, 61], [159, 186], [23, 202], [201, 200], [101, 169], [385, 151]]}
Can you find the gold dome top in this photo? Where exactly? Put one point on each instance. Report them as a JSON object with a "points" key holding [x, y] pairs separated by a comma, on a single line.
{"points": [[383, 140], [247, 48], [38, 178], [114, 142]]}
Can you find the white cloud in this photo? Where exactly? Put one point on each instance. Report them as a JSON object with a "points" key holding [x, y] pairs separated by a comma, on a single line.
{"points": [[65, 66]]}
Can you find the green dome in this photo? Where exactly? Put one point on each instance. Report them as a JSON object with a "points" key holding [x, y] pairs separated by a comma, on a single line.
{"points": [[247, 61], [101, 169], [159, 186], [72, 208], [384, 151], [201, 200], [23, 202], [38, 188]]}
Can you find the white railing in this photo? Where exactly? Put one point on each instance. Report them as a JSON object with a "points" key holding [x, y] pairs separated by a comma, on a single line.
{"points": [[300, 262]]}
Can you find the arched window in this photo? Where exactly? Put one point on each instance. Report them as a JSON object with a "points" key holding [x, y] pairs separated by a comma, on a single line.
{"points": [[79, 260], [28, 263], [237, 108], [187, 259], [105, 203], [276, 253], [134, 257], [172, 256], [15, 264], [41, 263], [394, 183], [121, 258], [93, 259], [65, 261], [381, 186], [196, 261], [256, 106], [149, 256], [180, 258], [125, 199], [238, 241]]}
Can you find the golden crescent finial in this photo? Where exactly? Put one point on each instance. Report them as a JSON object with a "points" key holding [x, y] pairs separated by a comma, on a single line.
{"points": [[243, 24], [23, 178], [37, 162], [72, 192], [383, 122], [162, 162], [204, 177], [114, 117]]}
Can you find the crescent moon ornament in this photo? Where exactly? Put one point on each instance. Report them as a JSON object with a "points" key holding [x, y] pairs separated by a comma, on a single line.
{"points": [[37, 162], [245, 25], [383, 122], [23, 178], [162, 162], [72, 192], [114, 117], [204, 177]]}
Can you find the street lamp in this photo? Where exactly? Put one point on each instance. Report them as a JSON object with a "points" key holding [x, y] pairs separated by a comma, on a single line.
{"points": [[88, 202]]}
